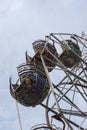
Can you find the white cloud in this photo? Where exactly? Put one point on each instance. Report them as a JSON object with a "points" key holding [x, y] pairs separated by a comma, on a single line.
{"points": [[7, 6], [66, 3]]}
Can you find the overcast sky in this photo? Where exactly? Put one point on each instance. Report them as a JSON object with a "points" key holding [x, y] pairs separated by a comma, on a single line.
{"points": [[21, 23]]}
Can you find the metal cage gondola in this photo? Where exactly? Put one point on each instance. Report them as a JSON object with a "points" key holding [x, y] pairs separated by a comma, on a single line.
{"points": [[70, 54]]}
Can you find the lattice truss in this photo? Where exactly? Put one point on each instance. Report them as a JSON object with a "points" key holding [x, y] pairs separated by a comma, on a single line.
{"points": [[71, 90]]}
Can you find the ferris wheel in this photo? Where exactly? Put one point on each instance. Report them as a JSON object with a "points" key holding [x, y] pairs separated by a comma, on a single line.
{"points": [[66, 100]]}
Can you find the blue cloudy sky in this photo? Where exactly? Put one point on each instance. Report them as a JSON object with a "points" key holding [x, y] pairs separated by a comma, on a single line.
{"points": [[21, 23]]}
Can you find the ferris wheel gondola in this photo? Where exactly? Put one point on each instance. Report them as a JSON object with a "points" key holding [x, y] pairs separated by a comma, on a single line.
{"points": [[33, 87], [46, 49], [68, 56]]}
